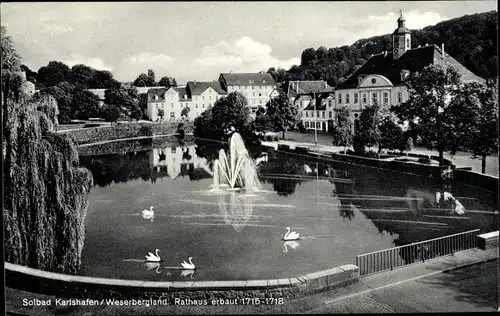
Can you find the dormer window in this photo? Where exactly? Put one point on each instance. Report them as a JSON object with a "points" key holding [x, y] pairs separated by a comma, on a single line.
{"points": [[360, 78], [405, 74], [251, 81]]}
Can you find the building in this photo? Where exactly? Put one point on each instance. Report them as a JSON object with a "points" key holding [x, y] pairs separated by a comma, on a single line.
{"points": [[319, 117], [256, 87], [304, 94], [382, 78], [195, 96]]}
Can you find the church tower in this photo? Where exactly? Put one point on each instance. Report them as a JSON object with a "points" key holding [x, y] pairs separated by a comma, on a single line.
{"points": [[401, 38]]}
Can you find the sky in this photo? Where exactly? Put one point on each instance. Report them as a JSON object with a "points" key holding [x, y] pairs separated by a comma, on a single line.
{"points": [[199, 40]]}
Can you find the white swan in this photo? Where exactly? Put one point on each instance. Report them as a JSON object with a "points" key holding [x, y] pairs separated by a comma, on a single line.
{"points": [[147, 214], [152, 257], [188, 266], [292, 244], [291, 235]]}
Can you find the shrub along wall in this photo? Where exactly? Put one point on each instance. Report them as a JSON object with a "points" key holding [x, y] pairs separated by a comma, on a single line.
{"points": [[129, 130]]}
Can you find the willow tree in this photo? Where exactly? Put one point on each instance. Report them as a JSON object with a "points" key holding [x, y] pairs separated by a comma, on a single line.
{"points": [[45, 190]]}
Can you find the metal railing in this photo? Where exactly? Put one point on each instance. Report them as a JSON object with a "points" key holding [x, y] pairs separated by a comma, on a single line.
{"points": [[388, 259]]}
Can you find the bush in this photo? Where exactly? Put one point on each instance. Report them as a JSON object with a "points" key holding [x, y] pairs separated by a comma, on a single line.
{"points": [[358, 145]]}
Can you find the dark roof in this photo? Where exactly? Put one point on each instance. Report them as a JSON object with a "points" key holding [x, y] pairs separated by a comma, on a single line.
{"points": [[306, 87], [413, 60], [196, 87], [160, 92], [401, 30], [182, 91], [246, 79], [320, 106]]}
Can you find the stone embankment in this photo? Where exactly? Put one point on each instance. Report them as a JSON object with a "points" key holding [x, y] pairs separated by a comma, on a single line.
{"points": [[126, 131]]}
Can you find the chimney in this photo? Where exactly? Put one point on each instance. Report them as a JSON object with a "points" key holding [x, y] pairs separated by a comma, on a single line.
{"points": [[231, 72], [194, 82], [418, 46], [442, 51], [371, 55], [426, 44]]}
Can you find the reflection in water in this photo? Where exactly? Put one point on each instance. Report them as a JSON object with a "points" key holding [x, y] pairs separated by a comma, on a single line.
{"points": [[290, 243], [153, 265], [236, 208], [188, 273]]}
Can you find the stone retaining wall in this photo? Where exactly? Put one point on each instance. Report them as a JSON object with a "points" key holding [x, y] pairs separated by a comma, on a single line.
{"points": [[476, 179], [122, 131], [38, 281]]}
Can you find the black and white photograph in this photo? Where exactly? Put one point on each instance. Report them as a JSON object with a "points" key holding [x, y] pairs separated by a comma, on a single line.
{"points": [[250, 157]]}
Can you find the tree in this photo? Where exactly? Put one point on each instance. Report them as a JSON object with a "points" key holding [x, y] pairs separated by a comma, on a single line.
{"points": [[165, 82], [281, 113], [81, 75], [476, 105], [342, 131], [63, 93], [368, 132], [392, 135], [231, 111], [126, 99], [84, 105], [144, 81], [161, 114], [151, 76], [11, 60], [174, 82], [185, 112], [53, 74], [431, 91], [103, 79], [143, 102], [111, 113]]}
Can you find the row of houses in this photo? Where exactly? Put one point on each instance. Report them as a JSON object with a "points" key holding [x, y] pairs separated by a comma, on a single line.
{"points": [[380, 80]]}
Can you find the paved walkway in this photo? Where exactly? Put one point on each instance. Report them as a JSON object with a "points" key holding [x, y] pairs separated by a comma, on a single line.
{"points": [[463, 282]]}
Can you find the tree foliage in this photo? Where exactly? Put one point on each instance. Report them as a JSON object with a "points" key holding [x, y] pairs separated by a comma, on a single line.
{"points": [[368, 131], [342, 130], [476, 112], [392, 135], [125, 99], [431, 93], [145, 80], [84, 105], [185, 111], [281, 113], [227, 113]]}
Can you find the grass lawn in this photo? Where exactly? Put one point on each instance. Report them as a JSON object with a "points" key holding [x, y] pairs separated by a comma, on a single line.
{"points": [[461, 159]]}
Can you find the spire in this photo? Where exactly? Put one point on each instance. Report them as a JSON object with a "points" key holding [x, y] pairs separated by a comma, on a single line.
{"points": [[401, 19]]}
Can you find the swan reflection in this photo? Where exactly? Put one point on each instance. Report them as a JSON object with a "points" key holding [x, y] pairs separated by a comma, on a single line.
{"points": [[291, 243], [153, 265], [188, 273], [236, 208]]}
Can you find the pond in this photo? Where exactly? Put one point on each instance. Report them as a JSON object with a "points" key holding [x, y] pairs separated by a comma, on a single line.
{"points": [[339, 210]]}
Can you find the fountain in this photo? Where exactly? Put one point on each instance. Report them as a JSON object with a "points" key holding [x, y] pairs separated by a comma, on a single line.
{"points": [[237, 170]]}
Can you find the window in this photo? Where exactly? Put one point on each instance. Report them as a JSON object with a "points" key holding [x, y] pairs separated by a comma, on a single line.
{"points": [[400, 97], [203, 97], [317, 113], [209, 90], [355, 97], [347, 98], [386, 98], [253, 94], [364, 98], [260, 101], [196, 106], [374, 80], [330, 114], [260, 94], [302, 114], [307, 114], [172, 114], [210, 97], [374, 98], [172, 105], [340, 98], [156, 97], [203, 105], [307, 124], [253, 87], [330, 103], [323, 114], [318, 125]]}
